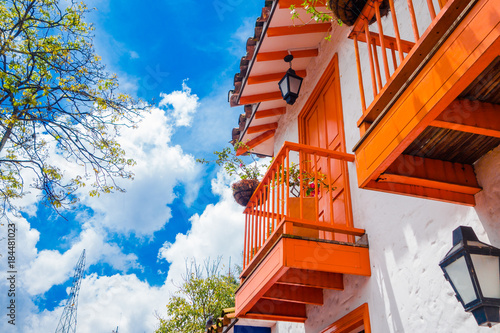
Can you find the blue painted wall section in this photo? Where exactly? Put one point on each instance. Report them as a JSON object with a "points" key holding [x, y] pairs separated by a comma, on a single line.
{"points": [[251, 329]]}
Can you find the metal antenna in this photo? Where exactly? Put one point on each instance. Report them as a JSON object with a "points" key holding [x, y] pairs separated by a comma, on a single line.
{"points": [[67, 323]]}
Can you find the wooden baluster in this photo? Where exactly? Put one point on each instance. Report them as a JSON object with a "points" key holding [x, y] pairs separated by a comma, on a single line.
{"points": [[382, 41], [301, 190], [245, 242], [413, 20], [330, 187], [287, 180], [393, 52], [432, 11], [316, 187], [396, 31], [254, 231], [370, 57], [360, 76], [274, 210], [377, 66]]}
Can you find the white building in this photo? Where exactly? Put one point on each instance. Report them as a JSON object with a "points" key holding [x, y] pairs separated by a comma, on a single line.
{"points": [[396, 141]]}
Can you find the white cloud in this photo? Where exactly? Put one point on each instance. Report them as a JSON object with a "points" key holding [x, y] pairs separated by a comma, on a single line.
{"points": [[217, 231], [104, 303], [50, 267], [182, 105], [160, 167]]}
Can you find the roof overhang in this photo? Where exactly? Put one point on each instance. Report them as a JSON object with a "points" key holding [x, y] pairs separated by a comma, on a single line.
{"points": [[256, 86]]}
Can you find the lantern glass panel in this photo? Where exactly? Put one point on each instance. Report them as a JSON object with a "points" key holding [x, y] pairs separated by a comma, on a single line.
{"points": [[488, 273], [460, 277], [284, 86], [294, 84]]}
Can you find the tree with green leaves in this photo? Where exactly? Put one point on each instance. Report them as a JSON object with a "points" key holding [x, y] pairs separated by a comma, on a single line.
{"points": [[202, 295], [57, 100]]}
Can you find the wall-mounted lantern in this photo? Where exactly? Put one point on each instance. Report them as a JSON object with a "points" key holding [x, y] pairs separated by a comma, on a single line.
{"points": [[290, 83], [473, 270]]}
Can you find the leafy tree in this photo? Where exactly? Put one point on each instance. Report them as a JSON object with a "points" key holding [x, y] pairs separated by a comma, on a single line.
{"points": [[200, 297], [56, 100]]}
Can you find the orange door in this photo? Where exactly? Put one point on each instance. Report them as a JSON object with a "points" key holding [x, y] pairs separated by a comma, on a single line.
{"points": [[321, 125]]}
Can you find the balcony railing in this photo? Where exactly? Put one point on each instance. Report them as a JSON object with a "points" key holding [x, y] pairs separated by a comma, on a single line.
{"points": [[393, 61], [304, 189]]}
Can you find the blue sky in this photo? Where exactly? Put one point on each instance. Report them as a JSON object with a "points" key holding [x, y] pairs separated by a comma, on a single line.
{"points": [[183, 55]]}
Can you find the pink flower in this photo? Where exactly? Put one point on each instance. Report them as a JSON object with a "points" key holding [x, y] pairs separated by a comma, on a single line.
{"points": [[311, 185], [241, 164]]}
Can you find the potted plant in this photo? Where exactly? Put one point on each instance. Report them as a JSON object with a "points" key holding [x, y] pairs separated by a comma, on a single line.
{"points": [[249, 174], [343, 11]]}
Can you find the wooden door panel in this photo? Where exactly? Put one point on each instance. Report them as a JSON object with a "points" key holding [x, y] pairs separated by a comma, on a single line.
{"points": [[321, 126]]}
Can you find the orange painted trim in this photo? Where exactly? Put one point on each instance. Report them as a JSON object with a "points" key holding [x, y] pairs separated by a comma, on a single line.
{"points": [[314, 279], [280, 55], [252, 99], [423, 193], [332, 70], [466, 128], [295, 319], [272, 77], [325, 257], [270, 113], [255, 142], [262, 128], [405, 45], [324, 226], [298, 29], [461, 58], [470, 116], [356, 318], [295, 294], [412, 61], [391, 178]]}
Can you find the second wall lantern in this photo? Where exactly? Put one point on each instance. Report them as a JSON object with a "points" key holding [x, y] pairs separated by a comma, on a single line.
{"points": [[290, 83]]}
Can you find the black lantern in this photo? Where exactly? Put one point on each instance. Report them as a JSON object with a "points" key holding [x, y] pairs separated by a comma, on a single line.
{"points": [[473, 270], [290, 83]]}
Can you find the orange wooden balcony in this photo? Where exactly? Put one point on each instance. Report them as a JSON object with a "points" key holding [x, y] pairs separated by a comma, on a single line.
{"points": [[299, 237], [435, 106]]}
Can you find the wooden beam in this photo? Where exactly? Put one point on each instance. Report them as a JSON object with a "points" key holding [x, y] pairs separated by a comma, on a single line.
{"points": [[272, 77], [325, 226], [314, 279], [255, 142], [271, 96], [471, 117], [298, 29], [423, 192], [270, 113], [466, 128], [295, 294], [390, 178], [280, 55], [426, 172], [390, 42], [278, 310], [262, 128]]}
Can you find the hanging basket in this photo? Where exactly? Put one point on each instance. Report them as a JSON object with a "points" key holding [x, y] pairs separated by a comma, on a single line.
{"points": [[243, 190], [349, 10]]}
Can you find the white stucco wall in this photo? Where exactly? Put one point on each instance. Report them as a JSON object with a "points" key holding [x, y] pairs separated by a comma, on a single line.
{"points": [[408, 236], [286, 327]]}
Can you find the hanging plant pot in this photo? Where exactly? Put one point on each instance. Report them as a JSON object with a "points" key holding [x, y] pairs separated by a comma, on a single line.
{"points": [[349, 10], [243, 190]]}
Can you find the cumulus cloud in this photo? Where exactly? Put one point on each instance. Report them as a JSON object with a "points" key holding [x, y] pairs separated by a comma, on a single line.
{"points": [[217, 231], [50, 267], [143, 208], [104, 303], [182, 105]]}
